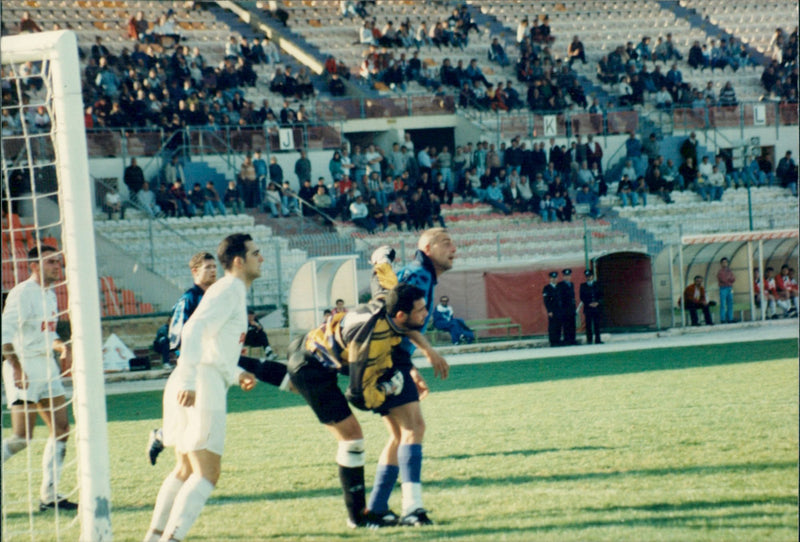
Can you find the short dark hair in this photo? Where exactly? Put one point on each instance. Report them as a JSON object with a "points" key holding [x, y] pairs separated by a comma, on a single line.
{"points": [[402, 298], [724, 259], [231, 247], [35, 252], [697, 277]]}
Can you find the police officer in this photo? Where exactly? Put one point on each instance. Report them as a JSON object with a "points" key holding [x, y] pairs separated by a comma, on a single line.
{"points": [[565, 292], [550, 294], [591, 297]]}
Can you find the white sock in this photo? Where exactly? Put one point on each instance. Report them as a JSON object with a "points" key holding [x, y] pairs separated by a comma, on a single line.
{"points": [[52, 462], [166, 497], [12, 445], [784, 304], [412, 496], [187, 506], [797, 302], [770, 307]]}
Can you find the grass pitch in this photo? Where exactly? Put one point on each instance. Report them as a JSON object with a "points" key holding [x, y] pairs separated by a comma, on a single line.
{"points": [[694, 443]]}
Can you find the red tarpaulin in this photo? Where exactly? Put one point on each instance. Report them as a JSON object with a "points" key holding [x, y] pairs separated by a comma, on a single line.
{"points": [[518, 294]]}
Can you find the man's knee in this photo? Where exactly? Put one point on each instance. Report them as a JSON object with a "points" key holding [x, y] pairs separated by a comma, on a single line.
{"points": [[206, 464]]}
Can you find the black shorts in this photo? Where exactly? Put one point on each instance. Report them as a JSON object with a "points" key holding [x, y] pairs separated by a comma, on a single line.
{"points": [[401, 361], [318, 386]]}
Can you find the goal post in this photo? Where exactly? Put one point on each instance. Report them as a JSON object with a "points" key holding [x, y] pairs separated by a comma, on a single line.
{"points": [[57, 52]]}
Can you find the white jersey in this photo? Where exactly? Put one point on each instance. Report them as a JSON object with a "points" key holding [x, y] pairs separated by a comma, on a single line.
{"points": [[214, 335], [29, 321]]}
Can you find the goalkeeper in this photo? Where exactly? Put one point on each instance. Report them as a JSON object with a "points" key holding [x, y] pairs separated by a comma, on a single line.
{"points": [[359, 343]]}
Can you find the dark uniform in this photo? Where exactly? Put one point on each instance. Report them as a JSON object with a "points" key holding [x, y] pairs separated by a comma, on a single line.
{"points": [[565, 293], [590, 293], [550, 294]]}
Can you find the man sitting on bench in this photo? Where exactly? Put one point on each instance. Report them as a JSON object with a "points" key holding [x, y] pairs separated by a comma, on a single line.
{"points": [[443, 319]]}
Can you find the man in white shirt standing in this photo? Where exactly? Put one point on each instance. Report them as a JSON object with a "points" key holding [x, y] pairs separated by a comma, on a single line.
{"points": [[32, 379], [195, 395]]}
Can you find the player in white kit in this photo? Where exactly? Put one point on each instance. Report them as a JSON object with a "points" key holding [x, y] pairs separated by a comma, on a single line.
{"points": [[195, 394], [32, 378]]}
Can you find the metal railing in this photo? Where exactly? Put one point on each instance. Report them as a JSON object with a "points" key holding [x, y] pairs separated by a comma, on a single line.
{"points": [[537, 124]]}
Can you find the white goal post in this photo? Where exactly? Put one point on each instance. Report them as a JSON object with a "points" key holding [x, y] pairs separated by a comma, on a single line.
{"points": [[57, 53]]}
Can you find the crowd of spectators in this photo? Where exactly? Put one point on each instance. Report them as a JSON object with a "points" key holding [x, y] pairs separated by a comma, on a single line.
{"points": [[159, 82], [645, 171], [405, 187], [779, 78]]}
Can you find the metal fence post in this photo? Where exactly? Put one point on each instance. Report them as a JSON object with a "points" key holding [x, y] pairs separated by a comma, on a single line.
{"points": [[279, 274]]}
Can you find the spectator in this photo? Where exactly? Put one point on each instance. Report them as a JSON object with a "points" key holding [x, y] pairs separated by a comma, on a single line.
{"points": [[213, 203], [633, 152], [716, 184], [173, 171], [272, 200], [495, 198], [165, 200], [324, 204], [563, 205], [147, 200], [178, 193], [444, 319], [498, 54], [687, 173], [663, 99], [198, 198], [725, 279], [271, 51], [694, 299], [289, 202], [586, 197], [606, 72], [688, 148], [705, 168], [727, 96], [641, 190], [701, 186], [27, 24], [626, 193], [398, 212], [547, 209], [786, 173], [233, 198], [575, 51], [133, 178], [377, 213], [113, 204], [656, 184], [696, 57]]}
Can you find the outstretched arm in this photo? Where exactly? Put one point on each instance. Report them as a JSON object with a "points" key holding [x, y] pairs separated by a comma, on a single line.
{"points": [[439, 364]]}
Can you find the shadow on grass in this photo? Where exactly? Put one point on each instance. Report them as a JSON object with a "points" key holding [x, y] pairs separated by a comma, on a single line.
{"points": [[790, 500], [698, 470], [523, 453], [147, 405], [768, 521]]}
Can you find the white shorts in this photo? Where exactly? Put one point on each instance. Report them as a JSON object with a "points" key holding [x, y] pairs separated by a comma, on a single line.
{"points": [[199, 427], [41, 385]]}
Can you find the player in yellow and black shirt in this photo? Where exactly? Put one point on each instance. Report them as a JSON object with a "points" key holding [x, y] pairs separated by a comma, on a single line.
{"points": [[359, 343]]}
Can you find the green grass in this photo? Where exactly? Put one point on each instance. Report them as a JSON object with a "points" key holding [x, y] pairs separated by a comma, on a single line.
{"points": [[695, 443]]}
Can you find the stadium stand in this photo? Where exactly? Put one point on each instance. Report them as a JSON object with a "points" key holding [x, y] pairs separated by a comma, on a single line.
{"points": [[319, 30]]}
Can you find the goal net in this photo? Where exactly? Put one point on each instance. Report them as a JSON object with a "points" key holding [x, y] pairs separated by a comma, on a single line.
{"points": [[46, 203]]}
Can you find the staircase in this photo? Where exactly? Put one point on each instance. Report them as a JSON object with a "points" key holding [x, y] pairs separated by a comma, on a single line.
{"points": [[201, 172]]}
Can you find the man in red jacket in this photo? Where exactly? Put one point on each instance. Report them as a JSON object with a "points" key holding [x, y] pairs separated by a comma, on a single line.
{"points": [[694, 298]]}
